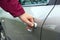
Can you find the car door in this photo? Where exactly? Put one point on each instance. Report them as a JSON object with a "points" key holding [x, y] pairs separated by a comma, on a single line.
{"points": [[15, 29], [51, 27]]}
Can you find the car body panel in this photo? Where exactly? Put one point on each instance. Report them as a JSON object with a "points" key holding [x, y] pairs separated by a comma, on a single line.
{"points": [[15, 29], [51, 27]]}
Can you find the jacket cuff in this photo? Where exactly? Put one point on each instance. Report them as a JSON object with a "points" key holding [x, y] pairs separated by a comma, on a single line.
{"points": [[19, 13]]}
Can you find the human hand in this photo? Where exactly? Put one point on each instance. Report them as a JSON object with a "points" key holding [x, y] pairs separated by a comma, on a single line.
{"points": [[28, 19]]}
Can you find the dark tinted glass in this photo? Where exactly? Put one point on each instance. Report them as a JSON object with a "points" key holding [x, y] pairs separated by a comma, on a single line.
{"points": [[34, 2]]}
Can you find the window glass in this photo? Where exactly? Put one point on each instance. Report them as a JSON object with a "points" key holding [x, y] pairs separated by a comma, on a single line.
{"points": [[34, 2]]}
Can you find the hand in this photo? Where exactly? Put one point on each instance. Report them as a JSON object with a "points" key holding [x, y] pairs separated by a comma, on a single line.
{"points": [[28, 19]]}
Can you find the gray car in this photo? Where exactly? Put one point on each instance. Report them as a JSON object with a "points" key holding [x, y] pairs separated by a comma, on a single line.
{"points": [[46, 14]]}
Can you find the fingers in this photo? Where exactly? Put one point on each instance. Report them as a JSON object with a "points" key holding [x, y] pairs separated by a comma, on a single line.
{"points": [[32, 21], [28, 21]]}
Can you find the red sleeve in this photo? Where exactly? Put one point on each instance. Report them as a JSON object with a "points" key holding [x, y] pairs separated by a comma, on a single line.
{"points": [[12, 6]]}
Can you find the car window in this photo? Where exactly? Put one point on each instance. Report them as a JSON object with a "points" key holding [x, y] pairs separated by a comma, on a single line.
{"points": [[33, 2]]}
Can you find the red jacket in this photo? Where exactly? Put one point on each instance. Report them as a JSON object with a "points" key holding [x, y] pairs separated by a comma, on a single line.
{"points": [[12, 6]]}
